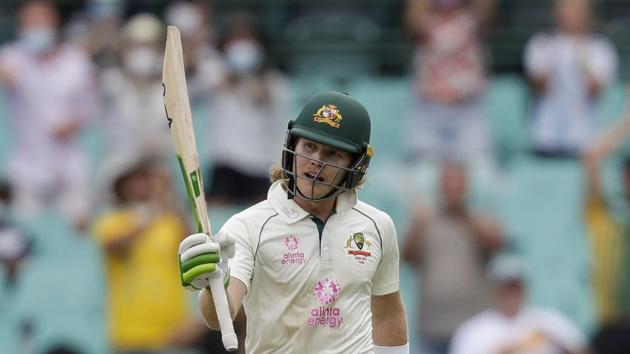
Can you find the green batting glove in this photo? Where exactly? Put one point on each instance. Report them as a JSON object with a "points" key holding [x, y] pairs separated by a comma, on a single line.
{"points": [[199, 258]]}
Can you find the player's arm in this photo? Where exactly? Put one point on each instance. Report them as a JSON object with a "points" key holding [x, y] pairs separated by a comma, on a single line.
{"points": [[235, 292], [389, 324]]}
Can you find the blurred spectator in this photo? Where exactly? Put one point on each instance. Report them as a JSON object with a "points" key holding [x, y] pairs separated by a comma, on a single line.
{"points": [[450, 247], [568, 69], [247, 111], [203, 64], [148, 310], [449, 120], [96, 29], [608, 223], [511, 326], [15, 246], [50, 94], [133, 106]]}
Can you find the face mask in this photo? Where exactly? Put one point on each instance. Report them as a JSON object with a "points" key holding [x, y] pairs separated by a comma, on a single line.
{"points": [[243, 57], [186, 18], [142, 62], [38, 39]]}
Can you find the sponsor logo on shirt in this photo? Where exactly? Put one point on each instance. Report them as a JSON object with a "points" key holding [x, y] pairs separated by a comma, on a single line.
{"points": [[359, 247], [292, 251], [326, 291]]}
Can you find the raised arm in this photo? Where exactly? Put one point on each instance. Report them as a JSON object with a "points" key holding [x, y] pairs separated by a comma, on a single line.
{"points": [[412, 248], [605, 144], [235, 293], [488, 231]]}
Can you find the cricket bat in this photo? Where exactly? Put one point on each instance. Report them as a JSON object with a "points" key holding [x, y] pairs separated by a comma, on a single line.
{"points": [[179, 119]]}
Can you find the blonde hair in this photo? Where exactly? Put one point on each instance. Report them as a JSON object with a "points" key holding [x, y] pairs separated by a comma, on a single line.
{"points": [[276, 173]]}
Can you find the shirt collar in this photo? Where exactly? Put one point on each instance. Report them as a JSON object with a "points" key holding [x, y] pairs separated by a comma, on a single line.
{"points": [[291, 212]]}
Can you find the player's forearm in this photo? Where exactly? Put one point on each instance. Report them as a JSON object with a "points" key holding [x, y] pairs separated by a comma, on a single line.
{"points": [[208, 311], [391, 332], [235, 293], [389, 322]]}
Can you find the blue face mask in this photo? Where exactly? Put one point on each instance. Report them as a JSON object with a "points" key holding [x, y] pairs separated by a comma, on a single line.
{"points": [[38, 39]]}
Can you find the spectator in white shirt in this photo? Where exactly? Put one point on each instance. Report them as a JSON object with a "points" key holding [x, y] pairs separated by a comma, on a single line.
{"points": [[248, 113], [49, 86], [131, 94], [203, 63], [511, 326], [568, 69]]}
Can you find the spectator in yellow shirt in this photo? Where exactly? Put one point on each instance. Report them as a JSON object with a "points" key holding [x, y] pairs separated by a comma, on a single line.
{"points": [[147, 308], [608, 224]]}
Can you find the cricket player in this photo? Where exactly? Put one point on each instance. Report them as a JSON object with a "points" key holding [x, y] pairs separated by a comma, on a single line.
{"points": [[315, 269]]}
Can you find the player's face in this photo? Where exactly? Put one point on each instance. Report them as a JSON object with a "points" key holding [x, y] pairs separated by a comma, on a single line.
{"points": [[318, 167]]}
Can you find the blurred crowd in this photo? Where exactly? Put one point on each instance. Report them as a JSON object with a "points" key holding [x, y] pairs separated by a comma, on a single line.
{"points": [[61, 76]]}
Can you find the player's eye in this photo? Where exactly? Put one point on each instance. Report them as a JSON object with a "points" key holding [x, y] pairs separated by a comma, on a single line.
{"points": [[309, 146]]}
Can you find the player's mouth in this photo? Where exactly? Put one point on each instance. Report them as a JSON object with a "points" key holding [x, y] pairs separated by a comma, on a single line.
{"points": [[313, 177]]}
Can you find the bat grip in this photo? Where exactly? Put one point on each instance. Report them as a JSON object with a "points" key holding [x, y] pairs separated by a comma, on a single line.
{"points": [[222, 308]]}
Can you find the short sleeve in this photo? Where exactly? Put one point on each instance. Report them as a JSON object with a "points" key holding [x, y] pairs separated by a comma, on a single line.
{"points": [[386, 279], [242, 264], [536, 57]]}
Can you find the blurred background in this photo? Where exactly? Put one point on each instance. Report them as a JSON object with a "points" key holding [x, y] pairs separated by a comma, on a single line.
{"points": [[500, 139]]}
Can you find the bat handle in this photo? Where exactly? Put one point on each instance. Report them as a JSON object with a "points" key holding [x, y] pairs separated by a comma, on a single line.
{"points": [[230, 341]]}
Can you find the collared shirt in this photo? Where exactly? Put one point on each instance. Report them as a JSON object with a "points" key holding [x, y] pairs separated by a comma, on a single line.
{"points": [[308, 293]]}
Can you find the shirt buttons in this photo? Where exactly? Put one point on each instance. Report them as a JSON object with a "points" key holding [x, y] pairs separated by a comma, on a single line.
{"points": [[325, 249]]}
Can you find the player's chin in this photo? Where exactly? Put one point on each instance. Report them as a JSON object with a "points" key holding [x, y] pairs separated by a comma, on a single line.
{"points": [[314, 190]]}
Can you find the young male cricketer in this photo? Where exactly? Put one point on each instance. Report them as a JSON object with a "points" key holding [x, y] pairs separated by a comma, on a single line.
{"points": [[315, 270]]}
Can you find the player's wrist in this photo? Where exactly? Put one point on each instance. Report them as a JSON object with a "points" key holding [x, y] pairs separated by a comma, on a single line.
{"points": [[401, 349]]}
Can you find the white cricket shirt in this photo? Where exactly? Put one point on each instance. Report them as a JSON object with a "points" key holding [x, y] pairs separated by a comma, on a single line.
{"points": [[308, 294]]}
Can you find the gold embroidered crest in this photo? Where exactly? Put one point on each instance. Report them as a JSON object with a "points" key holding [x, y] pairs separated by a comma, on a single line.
{"points": [[328, 114]]}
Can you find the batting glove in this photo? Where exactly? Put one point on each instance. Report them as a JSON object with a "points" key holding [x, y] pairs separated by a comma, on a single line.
{"points": [[199, 257]]}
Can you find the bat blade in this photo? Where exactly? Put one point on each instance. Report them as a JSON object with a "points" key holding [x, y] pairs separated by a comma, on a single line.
{"points": [[179, 118]]}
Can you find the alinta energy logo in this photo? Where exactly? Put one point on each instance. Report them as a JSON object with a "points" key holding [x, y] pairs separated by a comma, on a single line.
{"points": [[292, 253], [326, 291]]}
